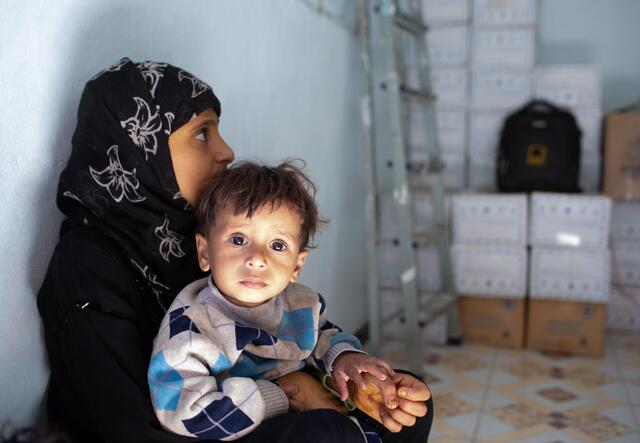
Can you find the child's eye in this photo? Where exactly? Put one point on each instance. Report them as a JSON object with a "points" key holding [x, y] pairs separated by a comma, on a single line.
{"points": [[278, 246], [202, 135], [238, 240]]}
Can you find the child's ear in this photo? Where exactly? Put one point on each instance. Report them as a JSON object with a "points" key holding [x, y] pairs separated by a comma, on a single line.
{"points": [[203, 252], [302, 257]]}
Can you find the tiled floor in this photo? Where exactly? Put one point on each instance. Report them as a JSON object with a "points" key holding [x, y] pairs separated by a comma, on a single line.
{"points": [[492, 395]]}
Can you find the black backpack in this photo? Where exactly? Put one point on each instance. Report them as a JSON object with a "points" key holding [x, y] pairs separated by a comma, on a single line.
{"points": [[539, 150]]}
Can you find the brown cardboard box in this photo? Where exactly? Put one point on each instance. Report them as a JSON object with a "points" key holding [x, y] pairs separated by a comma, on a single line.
{"points": [[622, 154], [566, 326], [495, 321]]}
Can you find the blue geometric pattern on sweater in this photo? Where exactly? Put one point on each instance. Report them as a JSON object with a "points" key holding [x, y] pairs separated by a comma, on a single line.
{"points": [[252, 366], [246, 334], [222, 364], [219, 419], [179, 323], [341, 337], [165, 383], [298, 326]]}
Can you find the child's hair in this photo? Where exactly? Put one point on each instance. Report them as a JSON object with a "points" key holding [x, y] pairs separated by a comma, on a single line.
{"points": [[248, 186]]}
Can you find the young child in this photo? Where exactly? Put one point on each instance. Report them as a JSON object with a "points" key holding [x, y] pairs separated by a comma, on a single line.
{"points": [[225, 339]]}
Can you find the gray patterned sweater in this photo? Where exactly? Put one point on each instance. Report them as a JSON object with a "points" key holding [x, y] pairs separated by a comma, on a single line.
{"points": [[212, 360]]}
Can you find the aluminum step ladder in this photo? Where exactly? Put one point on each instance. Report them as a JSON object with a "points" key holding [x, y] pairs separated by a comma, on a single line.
{"points": [[390, 77]]}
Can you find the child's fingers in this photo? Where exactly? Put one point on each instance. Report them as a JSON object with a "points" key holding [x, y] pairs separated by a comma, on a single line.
{"points": [[387, 366], [355, 376], [341, 385], [387, 390]]}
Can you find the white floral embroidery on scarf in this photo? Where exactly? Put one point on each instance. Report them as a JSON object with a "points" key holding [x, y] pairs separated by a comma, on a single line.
{"points": [[198, 85], [170, 116], [71, 195], [148, 275], [178, 195], [152, 73], [169, 241], [118, 181], [143, 126], [115, 67]]}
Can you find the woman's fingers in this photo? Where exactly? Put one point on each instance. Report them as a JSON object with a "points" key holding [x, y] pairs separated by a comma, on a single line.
{"points": [[402, 417], [389, 422], [387, 390], [415, 408], [411, 388]]}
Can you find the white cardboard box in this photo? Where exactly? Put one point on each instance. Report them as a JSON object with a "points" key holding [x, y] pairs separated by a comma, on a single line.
{"points": [[572, 86], [623, 311], [451, 125], [484, 132], [445, 11], [625, 263], [389, 268], [450, 86], [506, 48], [504, 12], [569, 220], [496, 271], [489, 219], [590, 167], [482, 173], [625, 222], [500, 89], [447, 45], [590, 121], [570, 274], [423, 214]]}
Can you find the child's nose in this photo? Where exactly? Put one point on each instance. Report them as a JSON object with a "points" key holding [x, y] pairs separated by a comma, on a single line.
{"points": [[256, 259]]}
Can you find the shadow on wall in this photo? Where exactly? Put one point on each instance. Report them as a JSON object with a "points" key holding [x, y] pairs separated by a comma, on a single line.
{"points": [[89, 48]]}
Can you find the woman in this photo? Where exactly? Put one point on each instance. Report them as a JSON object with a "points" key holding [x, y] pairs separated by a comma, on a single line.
{"points": [[146, 140]]}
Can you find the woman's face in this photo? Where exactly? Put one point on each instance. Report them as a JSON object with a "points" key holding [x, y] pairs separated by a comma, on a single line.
{"points": [[198, 152]]}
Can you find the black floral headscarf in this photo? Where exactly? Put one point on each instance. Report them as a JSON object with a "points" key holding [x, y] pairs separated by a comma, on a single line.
{"points": [[120, 178]]}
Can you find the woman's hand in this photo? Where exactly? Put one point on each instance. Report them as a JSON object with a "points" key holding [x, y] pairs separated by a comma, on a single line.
{"points": [[306, 393], [409, 393]]}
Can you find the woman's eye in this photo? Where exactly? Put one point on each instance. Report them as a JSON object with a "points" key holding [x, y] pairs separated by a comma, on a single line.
{"points": [[238, 240], [278, 246], [202, 135]]}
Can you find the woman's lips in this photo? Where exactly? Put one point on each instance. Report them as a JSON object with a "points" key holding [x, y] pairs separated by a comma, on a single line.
{"points": [[254, 283]]}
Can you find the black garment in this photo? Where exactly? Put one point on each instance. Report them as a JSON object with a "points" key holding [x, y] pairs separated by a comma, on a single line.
{"points": [[119, 177], [99, 328]]}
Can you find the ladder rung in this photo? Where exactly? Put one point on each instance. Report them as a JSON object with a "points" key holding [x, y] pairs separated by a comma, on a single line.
{"points": [[430, 166], [416, 94], [429, 309], [409, 23]]}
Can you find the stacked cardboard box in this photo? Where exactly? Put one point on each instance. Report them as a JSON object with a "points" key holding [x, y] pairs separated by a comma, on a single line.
{"points": [[577, 87], [490, 266], [502, 63], [570, 272], [624, 305]]}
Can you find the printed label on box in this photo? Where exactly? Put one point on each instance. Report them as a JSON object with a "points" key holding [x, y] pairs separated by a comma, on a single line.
{"points": [[572, 86], [490, 270], [500, 89], [512, 48], [570, 274], [448, 45], [490, 219], [570, 220], [450, 86], [626, 263], [504, 13], [428, 267], [439, 11]]}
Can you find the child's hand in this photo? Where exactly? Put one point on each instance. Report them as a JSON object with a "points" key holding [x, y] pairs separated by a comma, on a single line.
{"points": [[349, 365], [306, 393]]}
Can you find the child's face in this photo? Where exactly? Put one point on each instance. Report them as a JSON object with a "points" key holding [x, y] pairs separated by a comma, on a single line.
{"points": [[253, 259]]}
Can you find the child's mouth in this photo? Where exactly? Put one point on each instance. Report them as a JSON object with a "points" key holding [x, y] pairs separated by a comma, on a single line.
{"points": [[254, 283]]}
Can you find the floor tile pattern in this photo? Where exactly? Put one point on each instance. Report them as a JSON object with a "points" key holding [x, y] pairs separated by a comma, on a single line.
{"points": [[486, 394]]}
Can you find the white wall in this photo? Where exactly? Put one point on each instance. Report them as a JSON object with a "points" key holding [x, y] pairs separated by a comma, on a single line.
{"points": [[288, 82]]}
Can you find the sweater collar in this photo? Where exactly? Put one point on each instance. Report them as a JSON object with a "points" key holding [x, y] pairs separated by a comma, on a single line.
{"points": [[266, 316]]}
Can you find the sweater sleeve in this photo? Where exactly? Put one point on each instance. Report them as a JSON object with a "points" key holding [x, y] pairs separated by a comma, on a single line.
{"points": [[332, 341], [187, 395]]}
